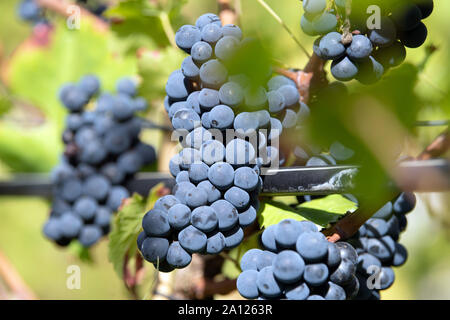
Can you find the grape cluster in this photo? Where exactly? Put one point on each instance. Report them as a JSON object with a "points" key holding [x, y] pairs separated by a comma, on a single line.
{"points": [[102, 152], [378, 248], [298, 264], [363, 53], [217, 179]]}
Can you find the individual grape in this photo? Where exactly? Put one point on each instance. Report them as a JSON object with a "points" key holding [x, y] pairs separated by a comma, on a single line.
{"points": [[90, 84], [290, 119], [405, 203], [246, 123], [226, 214], [177, 106], [155, 249], [215, 243], [201, 52], [347, 252], [212, 192], [187, 36], [140, 104], [147, 153], [52, 229], [406, 16], [425, 6], [204, 218], [316, 274], [85, 207], [189, 156], [247, 284], [97, 186], [140, 239], [340, 152], [231, 94], [179, 216], [116, 196], [192, 240], [278, 81], [250, 259], [207, 18], [232, 30], [387, 278], [312, 246], [130, 162], [370, 71], [208, 99], [324, 23], [213, 74], [239, 152], [165, 203], [315, 297], [331, 47], [246, 178], [385, 212], [71, 189], [197, 137], [376, 228], [344, 69], [74, 121], [226, 47], [103, 218], [89, 235], [366, 261], [290, 94], [156, 223], [177, 256], [344, 273], [237, 197], [198, 172], [29, 10], [176, 87], [288, 267], [333, 256], [196, 197], [211, 33], [385, 35], [221, 175], [268, 238], [400, 255], [233, 237], [360, 48], [70, 225], [117, 140], [122, 109], [174, 165], [287, 233], [74, 98], [276, 101], [221, 117], [297, 292], [314, 7], [181, 189], [383, 248], [276, 128], [308, 26], [189, 69], [391, 56], [185, 119], [267, 284], [334, 292]]}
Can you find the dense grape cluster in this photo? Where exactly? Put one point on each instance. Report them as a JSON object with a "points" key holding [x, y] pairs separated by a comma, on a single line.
{"points": [[226, 126], [378, 248], [365, 52], [102, 152], [298, 264]]}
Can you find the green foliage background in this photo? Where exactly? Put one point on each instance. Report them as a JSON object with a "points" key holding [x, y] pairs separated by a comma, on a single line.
{"points": [[35, 75]]}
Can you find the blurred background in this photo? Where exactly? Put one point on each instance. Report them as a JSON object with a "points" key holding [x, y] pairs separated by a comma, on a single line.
{"points": [[35, 62]]}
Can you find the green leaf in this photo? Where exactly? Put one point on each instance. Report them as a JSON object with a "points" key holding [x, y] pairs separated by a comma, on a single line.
{"points": [[320, 211], [126, 228], [229, 267]]}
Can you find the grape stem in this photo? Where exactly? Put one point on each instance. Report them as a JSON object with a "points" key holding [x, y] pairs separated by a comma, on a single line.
{"points": [[350, 223], [13, 281], [62, 8]]}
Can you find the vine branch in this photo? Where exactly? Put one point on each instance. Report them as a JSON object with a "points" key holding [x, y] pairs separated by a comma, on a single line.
{"points": [[14, 281], [349, 224]]}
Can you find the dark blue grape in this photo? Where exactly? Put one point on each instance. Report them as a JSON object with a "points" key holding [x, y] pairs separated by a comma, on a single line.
{"points": [[177, 256], [316, 274], [250, 259], [187, 36], [267, 284], [85, 207], [90, 84], [312, 246], [89, 235], [215, 243], [155, 249], [97, 186], [117, 194], [233, 237], [247, 284], [331, 47], [288, 266], [211, 33], [226, 214], [179, 216], [192, 239], [207, 18], [344, 69]]}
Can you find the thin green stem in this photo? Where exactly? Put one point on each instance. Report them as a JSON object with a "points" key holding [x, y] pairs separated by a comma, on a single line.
{"points": [[167, 27], [285, 27]]}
